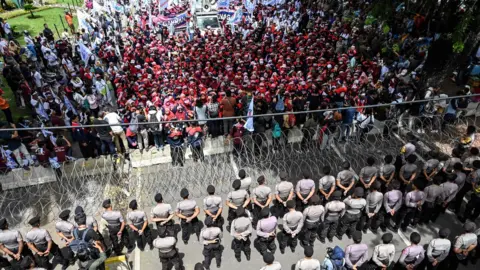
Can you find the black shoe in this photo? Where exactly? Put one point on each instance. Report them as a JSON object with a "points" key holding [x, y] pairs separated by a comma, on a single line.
{"points": [[248, 257], [293, 250], [330, 240], [349, 236], [404, 229], [185, 242], [282, 251], [239, 259], [383, 229], [322, 240], [218, 265], [151, 247], [364, 230], [374, 231], [339, 237]]}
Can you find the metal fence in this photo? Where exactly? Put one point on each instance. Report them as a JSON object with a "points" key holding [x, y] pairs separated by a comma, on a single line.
{"points": [[45, 192]]}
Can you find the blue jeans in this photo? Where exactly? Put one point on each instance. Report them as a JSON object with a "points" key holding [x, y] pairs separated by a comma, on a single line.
{"points": [[110, 145], [345, 131]]}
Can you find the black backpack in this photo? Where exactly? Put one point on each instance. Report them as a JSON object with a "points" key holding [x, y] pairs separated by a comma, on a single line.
{"points": [[79, 246]]}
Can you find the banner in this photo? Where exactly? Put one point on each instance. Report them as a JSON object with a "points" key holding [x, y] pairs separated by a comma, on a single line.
{"points": [[249, 123], [223, 4], [82, 20], [84, 52], [269, 2], [250, 5], [175, 20], [237, 17], [163, 4]]}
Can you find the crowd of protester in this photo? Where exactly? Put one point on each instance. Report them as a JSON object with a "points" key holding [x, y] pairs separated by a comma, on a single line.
{"points": [[288, 58], [384, 197]]}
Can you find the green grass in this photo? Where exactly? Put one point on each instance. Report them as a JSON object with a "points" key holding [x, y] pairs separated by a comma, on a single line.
{"points": [[8, 94], [35, 26], [78, 3]]}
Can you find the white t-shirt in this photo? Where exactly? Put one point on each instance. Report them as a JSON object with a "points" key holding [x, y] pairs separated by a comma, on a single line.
{"points": [[112, 119]]}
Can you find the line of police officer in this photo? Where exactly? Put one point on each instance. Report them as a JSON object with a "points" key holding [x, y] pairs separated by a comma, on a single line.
{"points": [[317, 213]]}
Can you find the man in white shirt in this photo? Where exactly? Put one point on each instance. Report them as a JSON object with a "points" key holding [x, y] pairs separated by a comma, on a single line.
{"points": [[118, 134]]}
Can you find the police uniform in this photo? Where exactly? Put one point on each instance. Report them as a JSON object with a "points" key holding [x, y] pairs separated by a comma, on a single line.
{"points": [[283, 190], [438, 250], [163, 210], [367, 174], [463, 242], [431, 165], [11, 239], [386, 170], [313, 217], [292, 226], [266, 232], [114, 221], [167, 252], [303, 187], [213, 204], [354, 208], [433, 203], [392, 200], [261, 193], [39, 238], [325, 184], [407, 171], [411, 255], [356, 254], [211, 249], [449, 191], [187, 208], [411, 212], [334, 210], [63, 226], [237, 197], [346, 178], [241, 231], [374, 203], [463, 187], [138, 218], [383, 254]]}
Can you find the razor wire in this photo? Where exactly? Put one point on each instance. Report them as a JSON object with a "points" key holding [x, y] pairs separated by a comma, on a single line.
{"points": [[89, 182]]}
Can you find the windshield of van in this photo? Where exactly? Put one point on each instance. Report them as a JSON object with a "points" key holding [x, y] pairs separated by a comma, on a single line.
{"points": [[204, 22]]}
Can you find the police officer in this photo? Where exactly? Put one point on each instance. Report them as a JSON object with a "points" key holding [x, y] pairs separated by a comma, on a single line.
{"points": [[438, 250], [270, 263], [308, 263], [334, 210], [387, 172], [237, 197], [313, 217], [392, 202], [432, 166], [384, 253], [326, 185], [139, 229], [408, 172], [211, 237], [304, 190], [41, 244], [356, 254], [354, 207], [464, 246], [241, 231], [433, 200], [371, 218], [467, 186], [413, 255], [116, 228], [262, 197], [187, 211], [245, 181], [292, 225], [283, 193], [449, 190], [346, 179], [213, 208], [167, 252], [11, 243], [414, 200], [266, 232], [162, 214], [64, 228], [368, 174]]}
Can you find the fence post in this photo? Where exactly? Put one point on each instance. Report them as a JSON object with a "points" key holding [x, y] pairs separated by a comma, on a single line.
{"points": [[57, 31], [69, 8], [61, 21]]}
